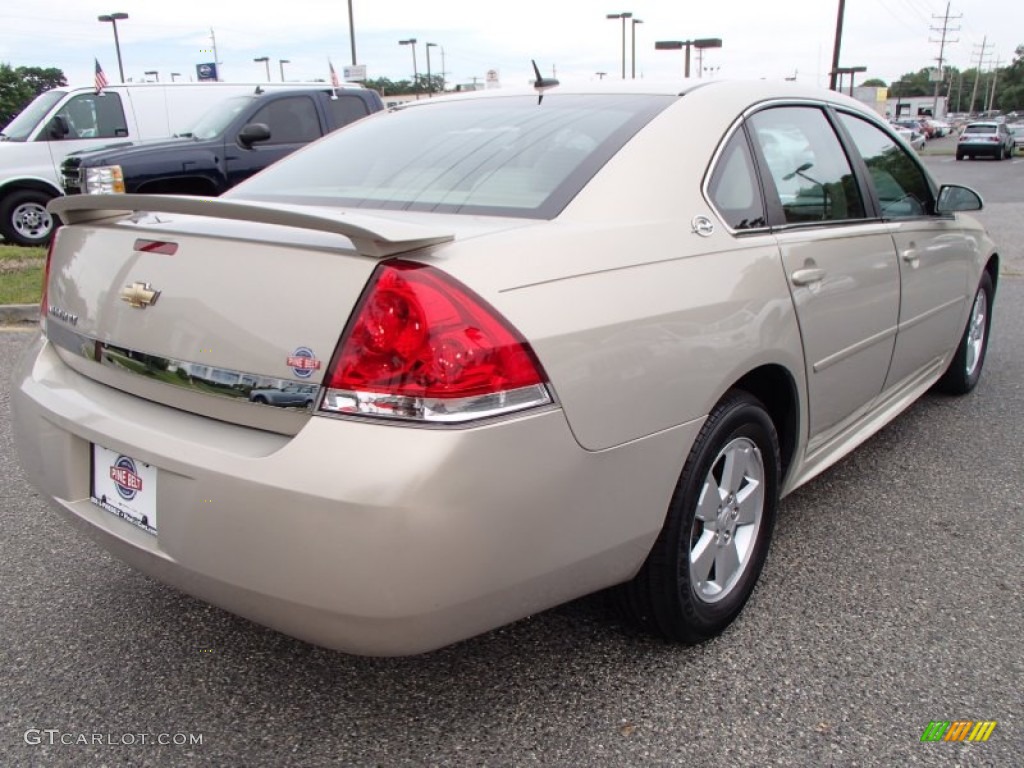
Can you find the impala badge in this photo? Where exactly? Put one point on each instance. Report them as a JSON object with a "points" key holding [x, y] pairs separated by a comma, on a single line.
{"points": [[139, 295]]}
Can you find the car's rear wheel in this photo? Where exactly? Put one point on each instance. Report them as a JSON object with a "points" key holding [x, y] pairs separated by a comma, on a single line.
{"points": [[707, 559], [965, 368], [959, 155]]}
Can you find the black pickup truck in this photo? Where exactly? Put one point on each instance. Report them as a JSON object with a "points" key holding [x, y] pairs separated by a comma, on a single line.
{"points": [[231, 142]]}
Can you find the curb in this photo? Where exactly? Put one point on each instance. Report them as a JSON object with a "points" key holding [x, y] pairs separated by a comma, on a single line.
{"points": [[19, 314]]}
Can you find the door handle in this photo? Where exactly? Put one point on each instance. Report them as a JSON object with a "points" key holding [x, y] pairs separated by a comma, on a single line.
{"points": [[807, 276], [910, 255]]}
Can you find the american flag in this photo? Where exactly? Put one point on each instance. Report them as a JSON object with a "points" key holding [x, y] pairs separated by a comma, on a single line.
{"points": [[334, 75], [101, 79]]}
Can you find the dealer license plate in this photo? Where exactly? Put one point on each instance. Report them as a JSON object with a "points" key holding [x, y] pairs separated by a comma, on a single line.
{"points": [[125, 487]]}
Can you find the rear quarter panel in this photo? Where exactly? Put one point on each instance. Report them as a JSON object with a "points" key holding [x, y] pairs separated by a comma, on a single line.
{"points": [[641, 323]]}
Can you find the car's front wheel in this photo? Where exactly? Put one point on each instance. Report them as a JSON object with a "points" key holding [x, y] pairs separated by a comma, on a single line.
{"points": [[965, 368], [24, 219], [707, 559]]}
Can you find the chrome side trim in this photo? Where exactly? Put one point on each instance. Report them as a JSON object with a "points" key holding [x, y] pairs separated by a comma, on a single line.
{"points": [[201, 378]]}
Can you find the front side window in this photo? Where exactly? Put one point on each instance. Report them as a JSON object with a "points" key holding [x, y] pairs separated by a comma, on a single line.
{"points": [[95, 116], [502, 156], [733, 187], [900, 184], [807, 164], [292, 120]]}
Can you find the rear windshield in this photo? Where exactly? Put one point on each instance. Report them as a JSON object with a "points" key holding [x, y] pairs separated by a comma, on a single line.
{"points": [[981, 129], [505, 156]]}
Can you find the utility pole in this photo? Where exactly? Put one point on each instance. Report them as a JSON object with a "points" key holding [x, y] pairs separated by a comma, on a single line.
{"points": [[834, 74], [992, 92], [977, 74], [216, 59], [942, 48]]}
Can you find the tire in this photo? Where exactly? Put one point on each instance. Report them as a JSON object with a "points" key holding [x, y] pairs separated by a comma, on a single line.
{"points": [[24, 219], [959, 156], [724, 508], [964, 370]]}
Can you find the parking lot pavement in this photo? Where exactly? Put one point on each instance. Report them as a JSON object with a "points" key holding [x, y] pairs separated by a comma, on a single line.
{"points": [[891, 599]]}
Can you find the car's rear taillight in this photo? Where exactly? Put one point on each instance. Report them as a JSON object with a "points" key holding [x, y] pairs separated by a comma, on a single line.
{"points": [[43, 304], [421, 346]]}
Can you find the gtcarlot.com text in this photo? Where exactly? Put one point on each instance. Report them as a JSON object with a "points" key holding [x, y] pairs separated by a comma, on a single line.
{"points": [[54, 736]]}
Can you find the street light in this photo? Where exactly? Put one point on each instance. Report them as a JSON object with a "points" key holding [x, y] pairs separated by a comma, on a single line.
{"points": [[430, 82], [415, 72], [175, 76], [633, 45], [700, 44], [153, 73], [113, 18], [622, 16], [265, 60], [282, 62]]}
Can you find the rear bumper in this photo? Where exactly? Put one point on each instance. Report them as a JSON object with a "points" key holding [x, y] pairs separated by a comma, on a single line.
{"points": [[366, 538]]}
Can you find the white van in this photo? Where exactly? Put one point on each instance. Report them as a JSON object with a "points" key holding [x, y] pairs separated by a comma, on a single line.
{"points": [[65, 120]]}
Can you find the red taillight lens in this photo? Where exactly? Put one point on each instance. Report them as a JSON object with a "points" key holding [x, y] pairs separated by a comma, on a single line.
{"points": [[423, 346], [44, 303]]}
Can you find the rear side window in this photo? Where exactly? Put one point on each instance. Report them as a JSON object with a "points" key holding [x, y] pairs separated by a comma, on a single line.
{"points": [[733, 188], [347, 109], [503, 156], [807, 164], [901, 186]]}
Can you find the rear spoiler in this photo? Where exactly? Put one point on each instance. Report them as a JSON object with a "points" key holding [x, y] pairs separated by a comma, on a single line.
{"points": [[372, 235]]}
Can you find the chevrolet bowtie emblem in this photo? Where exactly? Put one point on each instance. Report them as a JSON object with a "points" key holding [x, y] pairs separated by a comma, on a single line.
{"points": [[139, 295]]}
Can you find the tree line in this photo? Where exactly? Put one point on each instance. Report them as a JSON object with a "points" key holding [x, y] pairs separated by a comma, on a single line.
{"points": [[18, 86], [1001, 89]]}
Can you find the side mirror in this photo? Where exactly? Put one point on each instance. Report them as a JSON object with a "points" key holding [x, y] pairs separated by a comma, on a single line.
{"points": [[253, 133], [953, 197], [58, 127]]}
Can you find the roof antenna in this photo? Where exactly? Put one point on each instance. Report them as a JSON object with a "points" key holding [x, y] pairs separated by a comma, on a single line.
{"points": [[259, 90], [541, 84]]}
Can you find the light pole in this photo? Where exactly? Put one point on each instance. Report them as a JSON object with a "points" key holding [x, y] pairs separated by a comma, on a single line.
{"points": [[113, 18], [700, 44], [175, 76], [265, 60], [352, 32], [415, 72], [633, 45], [622, 16], [282, 62], [154, 73], [430, 82]]}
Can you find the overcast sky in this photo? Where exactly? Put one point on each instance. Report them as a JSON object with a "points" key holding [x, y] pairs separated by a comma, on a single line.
{"points": [[761, 39]]}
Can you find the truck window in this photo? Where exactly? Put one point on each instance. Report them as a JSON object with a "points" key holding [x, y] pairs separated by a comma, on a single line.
{"points": [[347, 109], [95, 116], [292, 120], [21, 126]]}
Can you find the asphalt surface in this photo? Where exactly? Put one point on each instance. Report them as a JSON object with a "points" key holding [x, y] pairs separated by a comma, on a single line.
{"points": [[892, 597]]}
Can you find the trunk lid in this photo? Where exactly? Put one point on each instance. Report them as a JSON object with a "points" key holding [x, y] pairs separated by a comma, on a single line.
{"points": [[234, 317]]}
